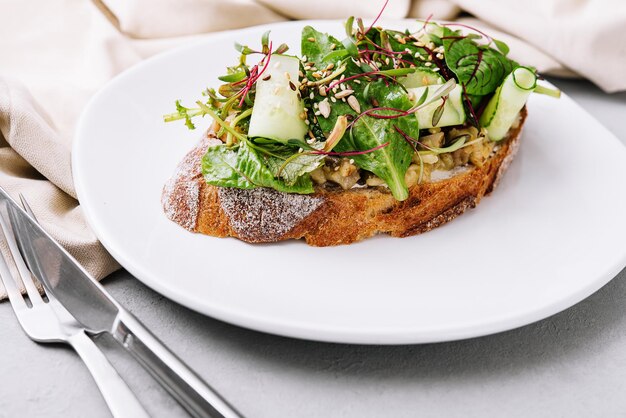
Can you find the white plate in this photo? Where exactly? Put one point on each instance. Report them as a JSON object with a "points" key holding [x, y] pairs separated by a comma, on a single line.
{"points": [[549, 236]]}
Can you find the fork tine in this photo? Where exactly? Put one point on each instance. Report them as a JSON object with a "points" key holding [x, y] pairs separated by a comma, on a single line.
{"points": [[15, 296], [26, 276], [27, 208]]}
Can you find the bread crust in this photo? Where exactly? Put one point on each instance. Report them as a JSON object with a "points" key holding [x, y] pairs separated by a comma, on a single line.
{"points": [[329, 216]]}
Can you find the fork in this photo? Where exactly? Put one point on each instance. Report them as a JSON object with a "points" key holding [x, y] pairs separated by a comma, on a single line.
{"points": [[45, 320]]}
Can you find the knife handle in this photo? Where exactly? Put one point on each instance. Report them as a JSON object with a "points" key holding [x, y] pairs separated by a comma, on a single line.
{"points": [[193, 393]]}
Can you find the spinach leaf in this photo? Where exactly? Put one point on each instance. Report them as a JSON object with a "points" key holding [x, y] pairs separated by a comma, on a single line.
{"points": [[317, 45], [479, 68], [391, 162], [243, 167]]}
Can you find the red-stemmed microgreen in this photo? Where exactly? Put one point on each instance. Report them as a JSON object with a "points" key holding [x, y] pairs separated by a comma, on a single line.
{"points": [[380, 13]]}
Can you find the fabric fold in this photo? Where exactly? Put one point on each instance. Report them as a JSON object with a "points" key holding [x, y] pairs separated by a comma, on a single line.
{"points": [[35, 163]]}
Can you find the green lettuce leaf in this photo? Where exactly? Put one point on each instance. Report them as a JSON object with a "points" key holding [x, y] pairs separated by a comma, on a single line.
{"points": [[244, 167], [281, 160]]}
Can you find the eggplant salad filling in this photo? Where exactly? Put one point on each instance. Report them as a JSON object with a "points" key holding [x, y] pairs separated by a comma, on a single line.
{"points": [[380, 108]]}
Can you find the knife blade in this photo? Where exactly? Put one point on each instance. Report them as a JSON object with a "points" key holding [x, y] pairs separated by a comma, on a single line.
{"points": [[98, 312]]}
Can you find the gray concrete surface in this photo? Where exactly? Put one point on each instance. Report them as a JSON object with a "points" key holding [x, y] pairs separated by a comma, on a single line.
{"points": [[572, 364]]}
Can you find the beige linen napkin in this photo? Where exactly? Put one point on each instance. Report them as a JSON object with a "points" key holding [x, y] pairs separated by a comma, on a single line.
{"points": [[62, 51]]}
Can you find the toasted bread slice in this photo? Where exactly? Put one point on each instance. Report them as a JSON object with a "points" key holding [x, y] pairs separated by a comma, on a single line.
{"points": [[327, 217]]}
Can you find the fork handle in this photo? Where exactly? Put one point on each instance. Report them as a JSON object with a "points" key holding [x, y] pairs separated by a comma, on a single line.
{"points": [[118, 396]]}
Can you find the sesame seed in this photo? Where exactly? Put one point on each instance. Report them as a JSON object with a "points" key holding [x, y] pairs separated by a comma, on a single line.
{"points": [[267, 77], [332, 46], [387, 60], [440, 55], [342, 86], [292, 86], [330, 66], [311, 39], [322, 91], [312, 96], [357, 81], [317, 75], [302, 115], [332, 99], [307, 122], [301, 74], [351, 161], [317, 113], [428, 64], [303, 59], [307, 68]]}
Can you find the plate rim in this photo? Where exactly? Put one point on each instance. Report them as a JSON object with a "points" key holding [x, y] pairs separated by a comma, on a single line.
{"points": [[386, 336]]}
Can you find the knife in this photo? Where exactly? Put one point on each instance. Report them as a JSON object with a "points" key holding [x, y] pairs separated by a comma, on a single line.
{"points": [[98, 312]]}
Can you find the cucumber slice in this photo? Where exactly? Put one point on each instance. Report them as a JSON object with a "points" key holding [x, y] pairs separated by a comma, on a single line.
{"points": [[426, 29], [507, 101], [277, 108], [421, 78], [453, 110]]}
